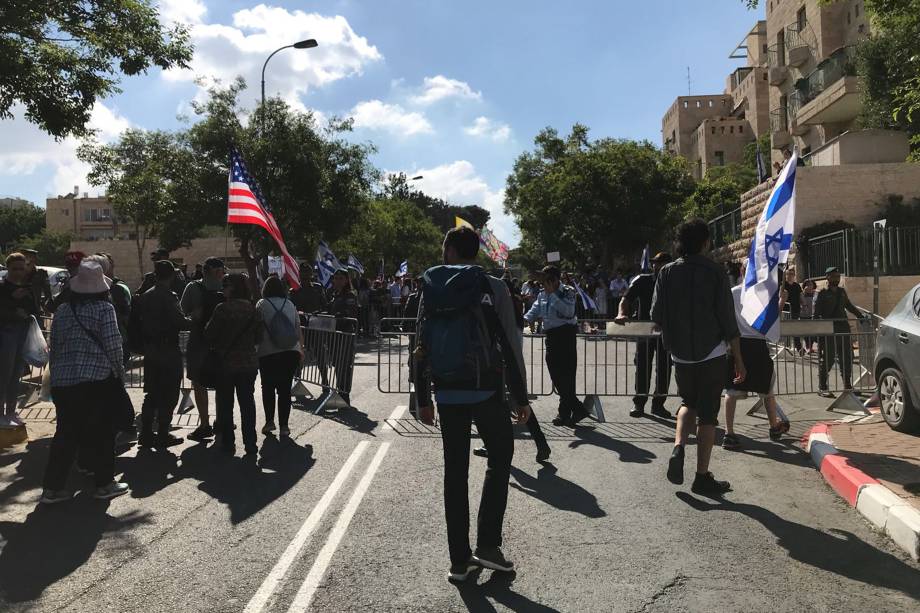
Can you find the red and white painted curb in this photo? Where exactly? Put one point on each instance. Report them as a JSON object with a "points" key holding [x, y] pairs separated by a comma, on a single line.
{"points": [[886, 510]]}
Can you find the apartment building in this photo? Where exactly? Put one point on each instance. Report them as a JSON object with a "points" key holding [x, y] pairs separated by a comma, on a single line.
{"points": [[85, 217], [10, 202], [814, 91], [713, 130]]}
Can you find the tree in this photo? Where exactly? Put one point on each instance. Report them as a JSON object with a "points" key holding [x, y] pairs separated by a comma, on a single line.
{"points": [[594, 200], [19, 222], [438, 210], [60, 56], [150, 184], [51, 246]]}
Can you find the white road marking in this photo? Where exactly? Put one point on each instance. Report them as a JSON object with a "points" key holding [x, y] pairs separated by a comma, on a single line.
{"points": [[396, 414], [311, 583], [274, 578]]}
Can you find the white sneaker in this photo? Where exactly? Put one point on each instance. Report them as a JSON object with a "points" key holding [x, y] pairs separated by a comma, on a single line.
{"points": [[17, 420], [112, 490], [269, 427], [55, 496], [6, 422]]}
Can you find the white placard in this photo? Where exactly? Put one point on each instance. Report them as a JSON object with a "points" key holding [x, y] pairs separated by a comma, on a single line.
{"points": [[553, 256]]}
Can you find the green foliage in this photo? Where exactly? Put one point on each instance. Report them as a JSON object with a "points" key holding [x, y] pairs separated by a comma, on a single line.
{"points": [[51, 246], [440, 212], [889, 66], [18, 223], [60, 56], [594, 200], [394, 230]]}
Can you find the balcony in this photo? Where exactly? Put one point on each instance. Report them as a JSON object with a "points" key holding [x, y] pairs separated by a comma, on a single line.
{"points": [[793, 108], [777, 73], [830, 94], [779, 129], [799, 44]]}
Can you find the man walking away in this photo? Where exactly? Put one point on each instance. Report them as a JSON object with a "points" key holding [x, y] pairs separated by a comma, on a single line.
{"points": [[161, 320], [555, 307], [833, 303], [693, 306], [466, 348], [199, 300], [637, 304]]}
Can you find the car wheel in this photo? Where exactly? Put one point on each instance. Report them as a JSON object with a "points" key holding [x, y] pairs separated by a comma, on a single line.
{"points": [[897, 407]]}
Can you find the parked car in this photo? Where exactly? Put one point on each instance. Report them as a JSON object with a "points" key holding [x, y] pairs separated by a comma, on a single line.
{"points": [[56, 277], [897, 364]]}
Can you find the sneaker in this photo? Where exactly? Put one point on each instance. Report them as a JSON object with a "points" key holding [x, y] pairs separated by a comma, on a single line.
{"points": [[559, 420], [637, 412], [55, 496], [481, 452], [167, 440], [16, 420], [6, 422], [576, 417], [825, 393], [460, 572], [662, 412], [201, 433], [777, 432], [731, 442], [112, 490], [285, 432], [269, 427], [147, 439], [493, 558], [676, 465], [706, 485], [543, 452]]}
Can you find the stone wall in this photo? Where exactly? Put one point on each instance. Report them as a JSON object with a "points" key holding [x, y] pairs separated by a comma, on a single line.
{"points": [[890, 291]]}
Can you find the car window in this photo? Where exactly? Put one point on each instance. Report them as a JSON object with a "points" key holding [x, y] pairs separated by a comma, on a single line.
{"points": [[916, 302]]}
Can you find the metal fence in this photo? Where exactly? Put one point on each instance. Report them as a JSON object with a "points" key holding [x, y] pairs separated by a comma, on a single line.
{"points": [[725, 229], [853, 251]]}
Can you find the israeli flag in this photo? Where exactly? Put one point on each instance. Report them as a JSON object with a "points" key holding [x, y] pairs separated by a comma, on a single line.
{"points": [[645, 263], [769, 249], [403, 269], [326, 264], [353, 262], [585, 298]]}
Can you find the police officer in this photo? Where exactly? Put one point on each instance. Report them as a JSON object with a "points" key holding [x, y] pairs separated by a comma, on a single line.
{"points": [[555, 307], [162, 320], [833, 303], [636, 304]]}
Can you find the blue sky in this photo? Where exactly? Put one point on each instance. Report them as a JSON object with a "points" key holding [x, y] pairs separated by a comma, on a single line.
{"points": [[451, 90]]}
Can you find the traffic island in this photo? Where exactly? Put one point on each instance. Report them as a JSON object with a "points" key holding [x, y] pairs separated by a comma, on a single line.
{"points": [[876, 470]]}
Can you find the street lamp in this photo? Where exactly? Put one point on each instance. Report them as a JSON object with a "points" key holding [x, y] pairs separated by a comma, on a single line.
{"points": [[416, 178], [303, 44]]}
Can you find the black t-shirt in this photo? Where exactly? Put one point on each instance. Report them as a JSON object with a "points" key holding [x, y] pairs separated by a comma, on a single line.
{"points": [[639, 295], [793, 298]]}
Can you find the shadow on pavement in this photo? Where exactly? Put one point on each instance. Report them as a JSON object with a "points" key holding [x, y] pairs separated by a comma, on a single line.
{"points": [[892, 468], [627, 451], [29, 471], [355, 420], [783, 451], [497, 587], [556, 491], [55, 541], [842, 553]]}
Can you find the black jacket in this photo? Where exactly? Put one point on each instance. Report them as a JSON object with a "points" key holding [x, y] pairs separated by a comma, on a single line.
{"points": [[693, 305]]}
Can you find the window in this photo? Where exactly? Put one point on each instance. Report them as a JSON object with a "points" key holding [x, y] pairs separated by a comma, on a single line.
{"points": [[765, 48], [740, 129], [849, 18], [764, 76], [731, 129], [699, 104], [66, 212], [722, 129], [106, 213], [686, 104], [720, 158], [801, 19], [857, 9], [713, 130], [916, 303], [710, 104]]}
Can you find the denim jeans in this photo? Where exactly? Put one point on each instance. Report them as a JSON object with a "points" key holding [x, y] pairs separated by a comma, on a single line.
{"points": [[244, 384], [277, 371], [12, 336], [494, 425]]}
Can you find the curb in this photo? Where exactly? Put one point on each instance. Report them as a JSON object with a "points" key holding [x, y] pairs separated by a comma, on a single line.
{"points": [[882, 507]]}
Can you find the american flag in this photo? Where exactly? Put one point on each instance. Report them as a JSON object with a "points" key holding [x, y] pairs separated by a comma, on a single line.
{"points": [[246, 205]]}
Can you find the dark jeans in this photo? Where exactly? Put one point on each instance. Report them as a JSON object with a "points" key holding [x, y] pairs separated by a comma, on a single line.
{"points": [[277, 372], [494, 426], [162, 378], [835, 349], [562, 363], [645, 355], [244, 384], [12, 336], [84, 421]]}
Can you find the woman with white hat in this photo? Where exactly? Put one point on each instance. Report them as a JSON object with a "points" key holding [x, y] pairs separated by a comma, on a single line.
{"points": [[86, 377]]}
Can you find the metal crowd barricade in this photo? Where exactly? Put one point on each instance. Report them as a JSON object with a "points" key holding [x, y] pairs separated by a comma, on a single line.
{"points": [[329, 361]]}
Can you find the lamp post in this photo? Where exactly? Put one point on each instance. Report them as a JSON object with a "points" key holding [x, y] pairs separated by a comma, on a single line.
{"points": [[309, 43]]}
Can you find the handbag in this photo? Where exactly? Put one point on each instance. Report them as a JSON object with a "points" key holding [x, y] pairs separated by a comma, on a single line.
{"points": [[213, 366]]}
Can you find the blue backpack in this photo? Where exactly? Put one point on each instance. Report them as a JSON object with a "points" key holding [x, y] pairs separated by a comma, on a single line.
{"points": [[457, 329]]}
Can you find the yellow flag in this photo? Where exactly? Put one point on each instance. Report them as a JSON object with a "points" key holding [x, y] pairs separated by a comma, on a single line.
{"points": [[459, 222]]}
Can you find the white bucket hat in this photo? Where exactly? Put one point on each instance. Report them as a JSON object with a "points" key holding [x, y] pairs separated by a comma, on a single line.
{"points": [[89, 279]]}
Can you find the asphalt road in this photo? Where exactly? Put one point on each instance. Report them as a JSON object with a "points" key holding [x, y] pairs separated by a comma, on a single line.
{"points": [[347, 516]]}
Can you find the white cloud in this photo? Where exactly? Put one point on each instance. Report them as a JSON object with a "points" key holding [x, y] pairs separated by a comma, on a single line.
{"points": [[377, 115], [29, 150], [440, 88], [224, 51], [483, 127], [459, 183]]}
